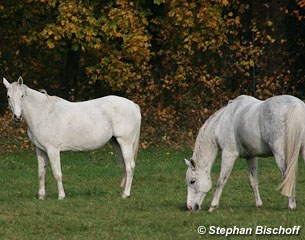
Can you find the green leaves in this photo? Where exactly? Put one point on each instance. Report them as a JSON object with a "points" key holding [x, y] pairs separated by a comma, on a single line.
{"points": [[179, 60], [158, 2]]}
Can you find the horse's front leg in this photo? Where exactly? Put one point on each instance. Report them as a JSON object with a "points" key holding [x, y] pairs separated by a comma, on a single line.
{"points": [[42, 165], [54, 158], [253, 174], [227, 163]]}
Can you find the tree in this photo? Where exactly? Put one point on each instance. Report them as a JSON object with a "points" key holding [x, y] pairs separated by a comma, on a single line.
{"points": [[179, 60]]}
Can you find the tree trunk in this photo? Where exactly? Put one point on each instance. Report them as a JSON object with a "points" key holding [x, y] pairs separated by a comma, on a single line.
{"points": [[70, 82]]}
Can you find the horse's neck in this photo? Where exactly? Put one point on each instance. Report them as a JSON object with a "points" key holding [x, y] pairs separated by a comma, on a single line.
{"points": [[206, 148], [34, 105]]}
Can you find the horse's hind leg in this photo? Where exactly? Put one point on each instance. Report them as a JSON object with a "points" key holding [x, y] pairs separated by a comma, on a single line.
{"points": [[42, 165], [252, 167], [128, 155], [303, 153], [119, 155], [227, 162], [54, 158]]}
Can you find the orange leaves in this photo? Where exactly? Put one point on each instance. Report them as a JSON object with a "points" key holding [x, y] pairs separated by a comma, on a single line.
{"points": [[179, 60], [301, 3], [13, 136], [126, 23], [124, 62]]}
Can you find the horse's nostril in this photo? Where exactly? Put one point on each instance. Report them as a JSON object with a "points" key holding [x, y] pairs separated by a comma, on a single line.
{"points": [[189, 207], [196, 207], [17, 119]]}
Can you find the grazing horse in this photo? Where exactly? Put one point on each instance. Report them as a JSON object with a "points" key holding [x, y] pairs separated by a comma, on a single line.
{"points": [[248, 128], [55, 125]]}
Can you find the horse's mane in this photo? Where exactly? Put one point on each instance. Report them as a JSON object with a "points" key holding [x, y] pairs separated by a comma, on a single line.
{"points": [[226, 107], [206, 132], [51, 98], [56, 99], [202, 136]]}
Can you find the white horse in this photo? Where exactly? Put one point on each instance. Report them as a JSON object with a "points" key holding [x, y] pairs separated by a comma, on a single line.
{"points": [[55, 125], [248, 128]]}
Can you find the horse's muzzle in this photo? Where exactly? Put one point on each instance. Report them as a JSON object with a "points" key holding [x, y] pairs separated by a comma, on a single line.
{"points": [[17, 119], [196, 207]]}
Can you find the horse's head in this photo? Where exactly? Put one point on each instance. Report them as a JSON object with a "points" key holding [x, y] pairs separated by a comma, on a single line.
{"points": [[198, 183], [15, 93]]}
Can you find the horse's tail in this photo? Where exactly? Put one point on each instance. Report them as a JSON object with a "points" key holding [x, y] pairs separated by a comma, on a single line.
{"points": [[137, 138], [294, 133]]}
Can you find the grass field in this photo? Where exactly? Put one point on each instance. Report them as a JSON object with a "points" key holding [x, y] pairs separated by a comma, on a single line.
{"points": [[93, 208]]}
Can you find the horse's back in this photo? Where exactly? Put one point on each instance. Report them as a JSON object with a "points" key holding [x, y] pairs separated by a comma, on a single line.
{"points": [[251, 127], [90, 124], [124, 115], [111, 107], [120, 113], [261, 127]]}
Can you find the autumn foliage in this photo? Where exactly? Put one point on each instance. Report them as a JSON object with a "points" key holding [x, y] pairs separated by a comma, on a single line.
{"points": [[179, 60]]}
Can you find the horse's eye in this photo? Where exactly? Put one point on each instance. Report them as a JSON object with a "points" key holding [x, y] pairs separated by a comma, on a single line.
{"points": [[192, 181], [21, 96], [8, 97]]}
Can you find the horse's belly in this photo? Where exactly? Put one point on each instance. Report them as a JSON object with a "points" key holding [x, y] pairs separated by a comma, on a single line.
{"points": [[254, 148], [73, 139], [85, 142], [251, 142]]}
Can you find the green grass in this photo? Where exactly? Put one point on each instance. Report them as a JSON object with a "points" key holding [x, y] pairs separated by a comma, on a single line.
{"points": [[93, 208]]}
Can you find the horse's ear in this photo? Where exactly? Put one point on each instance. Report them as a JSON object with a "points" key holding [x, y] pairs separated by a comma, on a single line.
{"points": [[187, 162], [190, 163], [193, 164], [20, 80], [6, 83]]}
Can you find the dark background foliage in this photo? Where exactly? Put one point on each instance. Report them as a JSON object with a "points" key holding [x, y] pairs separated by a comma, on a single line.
{"points": [[179, 60]]}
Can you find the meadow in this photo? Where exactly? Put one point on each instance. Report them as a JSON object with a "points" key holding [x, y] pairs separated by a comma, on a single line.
{"points": [[94, 209]]}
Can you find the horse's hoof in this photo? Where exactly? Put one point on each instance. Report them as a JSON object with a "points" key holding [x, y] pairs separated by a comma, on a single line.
{"points": [[212, 209], [61, 197], [124, 196]]}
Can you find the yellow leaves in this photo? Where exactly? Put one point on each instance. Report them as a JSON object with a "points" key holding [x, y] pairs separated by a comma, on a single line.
{"points": [[270, 39], [91, 20], [251, 63], [225, 2], [269, 23], [50, 44], [97, 46], [134, 48], [158, 2], [247, 63], [76, 23], [74, 18]]}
